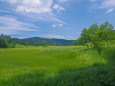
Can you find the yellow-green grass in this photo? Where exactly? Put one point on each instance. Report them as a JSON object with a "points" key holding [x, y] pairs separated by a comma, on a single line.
{"points": [[24, 62]]}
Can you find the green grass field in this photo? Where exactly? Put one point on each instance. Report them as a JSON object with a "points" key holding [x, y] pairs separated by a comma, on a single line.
{"points": [[57, 66]]}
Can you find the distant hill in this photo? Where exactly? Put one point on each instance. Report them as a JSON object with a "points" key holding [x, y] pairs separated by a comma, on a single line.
{"points": [[7, 41], [58, 42]]}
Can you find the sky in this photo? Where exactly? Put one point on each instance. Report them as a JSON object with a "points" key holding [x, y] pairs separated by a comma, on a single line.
{"points": [[62, 19]]}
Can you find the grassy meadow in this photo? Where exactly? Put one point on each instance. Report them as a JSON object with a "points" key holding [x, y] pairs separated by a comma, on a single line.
{"points": [[57, 66]]}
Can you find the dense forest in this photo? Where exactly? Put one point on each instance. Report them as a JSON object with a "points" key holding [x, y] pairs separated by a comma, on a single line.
{"points": [[8, 42]]}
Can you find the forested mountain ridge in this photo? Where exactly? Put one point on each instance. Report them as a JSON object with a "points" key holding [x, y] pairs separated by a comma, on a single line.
{"points": [[52, 41], [7, 41]]}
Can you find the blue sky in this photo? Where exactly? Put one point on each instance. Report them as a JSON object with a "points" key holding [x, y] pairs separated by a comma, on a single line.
{"points": [[63, 19]]}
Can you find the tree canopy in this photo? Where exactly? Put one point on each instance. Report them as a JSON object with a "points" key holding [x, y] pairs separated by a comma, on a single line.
{"points": [[97, 35]]}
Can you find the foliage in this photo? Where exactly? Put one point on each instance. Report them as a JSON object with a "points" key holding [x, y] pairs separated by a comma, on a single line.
{"points": [[8, 42], [97, 76], [3, 42], [97, 35], [44, 43]]}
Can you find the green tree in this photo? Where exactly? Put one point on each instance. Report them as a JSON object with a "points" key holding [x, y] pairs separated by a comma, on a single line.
{"points": [[107, 32], [97, 36], [83, 37], [44, 43], [3, 43], [97, 39], [53, 43], [86, 35], [91, 31]]}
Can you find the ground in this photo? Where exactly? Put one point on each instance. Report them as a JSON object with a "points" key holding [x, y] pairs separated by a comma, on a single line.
{"points": [[56, 66]]}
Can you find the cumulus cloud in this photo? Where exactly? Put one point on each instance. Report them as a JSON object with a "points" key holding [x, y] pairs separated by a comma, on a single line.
{"points": [[54, 25], [10, 25], [60, 25], [32, 6], [39, 9], [57, 25], [58, 8], [109, 4], [35, 6]]}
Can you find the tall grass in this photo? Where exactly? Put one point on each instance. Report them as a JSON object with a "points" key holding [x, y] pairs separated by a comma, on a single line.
{"points": [[57, 66], [95, 76]]}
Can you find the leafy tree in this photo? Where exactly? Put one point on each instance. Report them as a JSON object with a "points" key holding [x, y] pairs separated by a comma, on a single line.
{"points": [[107, 32], [44, 43], [81, 41], [53, 43], [83, 37], [97, 39], [86, 34], [97, 35], [91, 31], [3, 43]]}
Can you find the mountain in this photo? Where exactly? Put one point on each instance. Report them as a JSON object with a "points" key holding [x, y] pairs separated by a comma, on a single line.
{"points": [[37, 41], [7, 41]]}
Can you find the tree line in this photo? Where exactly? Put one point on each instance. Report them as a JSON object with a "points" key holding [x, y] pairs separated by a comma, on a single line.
{"points": [[97, 36], [8, 42]]}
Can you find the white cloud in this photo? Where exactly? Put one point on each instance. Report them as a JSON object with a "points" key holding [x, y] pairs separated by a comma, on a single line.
{"points": [[114, 28], [10, 1], [92, 0], [57, 25], [54, 25], [39, 9], [58, 8], [53, 36], [48, 17], [31, 6], [62, 1], [9, 25], [110, 10], [60, 25], [109, 5]]}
